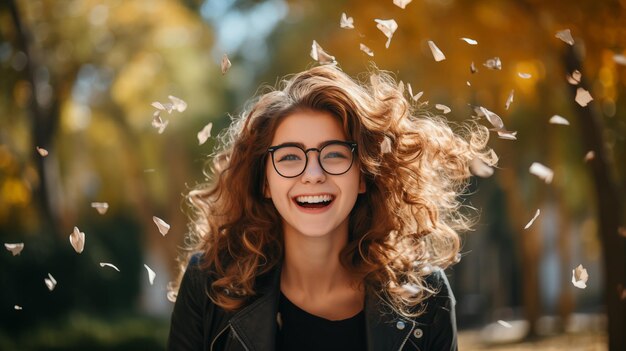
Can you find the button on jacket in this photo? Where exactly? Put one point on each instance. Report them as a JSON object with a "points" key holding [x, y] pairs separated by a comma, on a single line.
{"points": [[198, 324]]}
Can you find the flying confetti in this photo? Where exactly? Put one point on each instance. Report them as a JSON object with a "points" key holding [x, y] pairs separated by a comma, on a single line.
{"points": [[566, 36], [204, 134], [105, 264], [388, 27], [509, 100], [574, 78], [493, 63], [151, 274], [583, 97], [319, 55], [77, 239], [346, 22], [533, 219], [445, 109], [480, 169], [51, 283], [470, 41], [163, 227], [225, 65], [542, 172], [43, 152], [580, 277], [437, 54], [101, 207], [556, 119], [402, 3], [15, 249], [366, 50]]}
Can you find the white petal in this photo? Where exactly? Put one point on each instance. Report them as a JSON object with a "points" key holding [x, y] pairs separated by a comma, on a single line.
{"points": [[619, 59], [556, 119], [473, 68], [43, 152], [388, 27], [177, 103], [319, 55], [346, 22], [493, 63], [416, 96], [17, 307], [225, 65], [77, 239], [204, 134], [385, 146], [437, 54], [574, 78], [366, 50], [51, 283], [493, 118], [15, 249], [509, 100], [470, 41], [505, 324], [105, 264], [101, 207], [542, 172], [524, 75], [583, 97], [580, 277], [163, 227], [507, 135], [445, 109], [480, 169], [590, 155], [533, 219], [158, 106], [566, 36], [151, 274], [402, 3], [171, 293]]}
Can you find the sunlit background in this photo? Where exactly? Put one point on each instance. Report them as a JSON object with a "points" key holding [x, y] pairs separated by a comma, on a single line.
{"points": [[78, 79]]}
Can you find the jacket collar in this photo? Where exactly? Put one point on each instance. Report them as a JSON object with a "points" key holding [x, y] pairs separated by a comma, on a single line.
{"points": [[255, 325]]}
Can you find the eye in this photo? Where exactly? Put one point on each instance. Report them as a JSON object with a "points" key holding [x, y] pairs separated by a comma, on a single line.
{"points": [[335, 154], [289, 157]]}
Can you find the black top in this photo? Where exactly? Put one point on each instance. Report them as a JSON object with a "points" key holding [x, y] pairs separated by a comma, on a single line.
{"points": [[300, 330]]}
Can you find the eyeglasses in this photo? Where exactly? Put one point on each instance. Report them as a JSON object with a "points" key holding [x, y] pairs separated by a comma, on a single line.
{"points": [[335, 158]]}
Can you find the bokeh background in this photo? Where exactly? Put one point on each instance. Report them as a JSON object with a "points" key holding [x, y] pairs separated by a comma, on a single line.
{"points": [[78, 77]]}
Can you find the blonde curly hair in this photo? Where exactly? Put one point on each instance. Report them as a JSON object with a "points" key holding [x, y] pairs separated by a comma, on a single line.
{"points": [[401, 228]]}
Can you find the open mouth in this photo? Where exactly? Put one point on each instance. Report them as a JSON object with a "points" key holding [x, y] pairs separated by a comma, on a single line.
{"points": [[317, 201]]}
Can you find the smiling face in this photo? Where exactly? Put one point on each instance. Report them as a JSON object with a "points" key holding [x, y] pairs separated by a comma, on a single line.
{"points": [[303, 201]]}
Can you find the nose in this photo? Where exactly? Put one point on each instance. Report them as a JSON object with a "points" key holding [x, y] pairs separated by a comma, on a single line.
{"points": [[313, 173]]}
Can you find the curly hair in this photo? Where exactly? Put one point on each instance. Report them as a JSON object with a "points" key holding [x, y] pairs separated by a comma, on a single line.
{"points": [[400, 229]]}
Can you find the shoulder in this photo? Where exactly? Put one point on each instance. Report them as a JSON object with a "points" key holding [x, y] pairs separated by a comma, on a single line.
{"points": [[441, 302]]}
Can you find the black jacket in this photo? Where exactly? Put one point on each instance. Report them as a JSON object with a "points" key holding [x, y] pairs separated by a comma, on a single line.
{"points": [[198, 324]]}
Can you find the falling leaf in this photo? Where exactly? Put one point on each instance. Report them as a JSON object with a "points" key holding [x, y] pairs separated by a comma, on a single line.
{"points": [[177, 103], [470, 41], [385, 146], [151, 274], [505, 324], [445, 109], [473, 68], [158, 123], [533, 219], [15, 249], [493, 63], [225, 64], [204, 134], [388, 27], [524, 75], [583, 97], [163, 227], [402, 3], [574, 78], [17, 307], [509, 100], [619, 59], [542, 172], [507, 135], [480, 169], [43, 152], [77, 239], [172, 294], [566, 36], [622, 231], [580, 277], [590, 155], [51, 283], [366, 50], [346, 22], [437, 54], [105, 264], [319, 55], [416, 96], [101, 207], [556, 119]]}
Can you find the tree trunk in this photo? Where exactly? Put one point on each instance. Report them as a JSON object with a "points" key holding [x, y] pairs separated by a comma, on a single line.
{"points": [[609, 209]]}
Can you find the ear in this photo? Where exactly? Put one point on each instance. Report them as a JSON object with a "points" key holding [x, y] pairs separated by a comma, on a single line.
{"points": [[362, 184]]}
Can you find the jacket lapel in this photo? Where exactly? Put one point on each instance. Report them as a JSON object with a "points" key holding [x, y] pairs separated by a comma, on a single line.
{"points": [[255, 325], [385, 329]]}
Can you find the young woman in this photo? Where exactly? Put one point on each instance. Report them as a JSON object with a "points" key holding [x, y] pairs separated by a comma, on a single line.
{"points": [[330, 213]]}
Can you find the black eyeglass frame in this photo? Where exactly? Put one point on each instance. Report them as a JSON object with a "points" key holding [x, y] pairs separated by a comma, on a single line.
{"points": [[351, 144]]}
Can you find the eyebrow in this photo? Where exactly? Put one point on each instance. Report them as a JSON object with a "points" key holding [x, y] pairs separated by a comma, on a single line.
{"points": [[301, 145]]}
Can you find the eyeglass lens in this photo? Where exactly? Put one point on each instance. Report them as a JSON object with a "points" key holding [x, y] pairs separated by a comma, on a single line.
{"points": [[290, 161]]}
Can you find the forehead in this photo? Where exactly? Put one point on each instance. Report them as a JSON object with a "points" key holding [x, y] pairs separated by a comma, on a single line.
{"points": [[309, 128]]}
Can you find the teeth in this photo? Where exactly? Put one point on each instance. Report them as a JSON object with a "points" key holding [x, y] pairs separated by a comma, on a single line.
{"points": [[314, 199]]}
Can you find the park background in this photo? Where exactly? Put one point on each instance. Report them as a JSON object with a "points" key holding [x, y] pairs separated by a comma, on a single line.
{"points": [[78, 79]]}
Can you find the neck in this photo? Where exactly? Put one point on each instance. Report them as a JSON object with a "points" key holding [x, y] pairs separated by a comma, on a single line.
{"points": [[311, 265]]}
